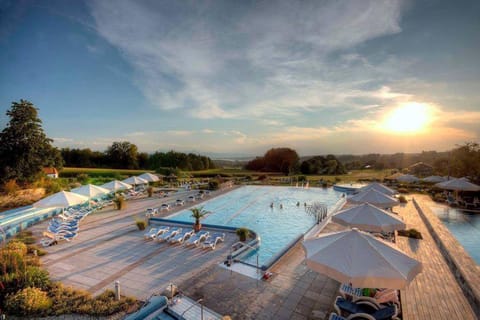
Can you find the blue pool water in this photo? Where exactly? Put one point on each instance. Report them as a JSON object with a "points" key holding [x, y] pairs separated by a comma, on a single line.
{"points": [[249, 207], [464, 226]]}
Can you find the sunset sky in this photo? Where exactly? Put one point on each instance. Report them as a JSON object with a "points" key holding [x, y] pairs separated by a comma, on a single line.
{"points": [[239, 77]]}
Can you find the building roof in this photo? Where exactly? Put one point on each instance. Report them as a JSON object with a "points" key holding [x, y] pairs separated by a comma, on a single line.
{"points": [[50, 170], [420, 165]]}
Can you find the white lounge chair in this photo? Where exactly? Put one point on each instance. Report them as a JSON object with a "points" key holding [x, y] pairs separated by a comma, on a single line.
{"points": [[151, 234], [181, 237], [169, 234], [197, 238], [211, 243]]}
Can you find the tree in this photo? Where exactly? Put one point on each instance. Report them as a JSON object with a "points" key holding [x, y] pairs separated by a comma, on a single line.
{"points": [[277, 160], [123, 155], [24, 147]]}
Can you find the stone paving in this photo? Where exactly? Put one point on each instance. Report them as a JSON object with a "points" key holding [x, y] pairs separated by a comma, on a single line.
{"points": [[434, 293], [294, 292]]}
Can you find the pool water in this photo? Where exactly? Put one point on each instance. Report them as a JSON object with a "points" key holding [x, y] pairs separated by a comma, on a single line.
{"points": [[464, 226], [249, 206]]}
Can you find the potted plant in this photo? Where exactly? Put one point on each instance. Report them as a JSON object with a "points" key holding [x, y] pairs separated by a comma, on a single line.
{"points": [[198, 213], [243, 233], [120, 202]]}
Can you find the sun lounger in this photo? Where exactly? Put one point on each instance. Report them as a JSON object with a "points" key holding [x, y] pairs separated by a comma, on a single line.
{"points": [[181, 236], [364, 309], [150, 234], [382, 296], [169, 234], [197, 238], [212, 242], [151, 212], [61, 229]]}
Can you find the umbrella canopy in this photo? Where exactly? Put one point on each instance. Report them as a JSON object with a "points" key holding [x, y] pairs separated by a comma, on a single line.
{"points": [[394, 176], [135, 180], [374, 197], [434, 179], [361, 259], [369, 218], [116, 185], [379, 187], [458, 185], [90, 190], [149, 177], [61, 199], [408, 178]]}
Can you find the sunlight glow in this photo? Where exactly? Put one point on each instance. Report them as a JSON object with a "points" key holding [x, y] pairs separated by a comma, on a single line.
{"points": [[410, 117]]}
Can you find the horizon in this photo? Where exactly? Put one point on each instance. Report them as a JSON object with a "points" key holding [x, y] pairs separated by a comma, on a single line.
{"points": [[402, 77]]}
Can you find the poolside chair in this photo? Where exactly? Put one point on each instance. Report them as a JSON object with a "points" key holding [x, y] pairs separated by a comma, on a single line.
{"points": [[151, 234], [61, 229], [211, 243], [197, 238], [365, 309], [169, 234], [181, 237]]}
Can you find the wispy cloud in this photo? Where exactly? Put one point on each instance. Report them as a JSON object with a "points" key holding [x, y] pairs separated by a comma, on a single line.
{"points": [[188, 56]]}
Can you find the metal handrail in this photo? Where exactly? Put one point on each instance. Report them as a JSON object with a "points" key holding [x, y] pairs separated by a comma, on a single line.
{"points": [[193, 305]]}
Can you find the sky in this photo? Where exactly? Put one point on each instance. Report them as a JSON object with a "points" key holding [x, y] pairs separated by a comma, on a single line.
{"points": [[235, 78]]}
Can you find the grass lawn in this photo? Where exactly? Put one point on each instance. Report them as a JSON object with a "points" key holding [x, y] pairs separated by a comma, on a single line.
{"points": [[102, 171]]}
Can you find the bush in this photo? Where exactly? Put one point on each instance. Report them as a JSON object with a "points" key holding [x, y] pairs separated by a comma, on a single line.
{"points": [[10, 187], [82, 178], [29, 301], [213, 184], [410, 233], [141, 224], [402, 199], [120, 202], [32, 248], [262, 177], [150, 191], [36, 277], [17, 246], [402, 190], [439, 197], [242, 233]]}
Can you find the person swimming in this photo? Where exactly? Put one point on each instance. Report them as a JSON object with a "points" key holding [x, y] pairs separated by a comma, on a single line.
{"points": [[281, 206], [298, 203], [271, 205]]}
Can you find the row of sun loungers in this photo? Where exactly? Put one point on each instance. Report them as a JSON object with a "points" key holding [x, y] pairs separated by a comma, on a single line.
{"points": [[187, 237], [353, 304]]}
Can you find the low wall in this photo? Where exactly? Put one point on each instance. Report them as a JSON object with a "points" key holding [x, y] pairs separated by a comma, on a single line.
{"points": [[462, 265]]}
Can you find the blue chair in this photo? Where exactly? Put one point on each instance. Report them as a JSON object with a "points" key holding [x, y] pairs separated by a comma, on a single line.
{"points": [[365, 309]]}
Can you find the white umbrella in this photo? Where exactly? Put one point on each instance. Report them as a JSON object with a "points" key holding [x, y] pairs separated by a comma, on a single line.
{"points": [[374, 197], [379, 187], [408, 178], [434, 179], [458, 185], [149, 177], [361, 259], [116, 185], [61, 199], [90, 190], [135, 180], [369, 218]]}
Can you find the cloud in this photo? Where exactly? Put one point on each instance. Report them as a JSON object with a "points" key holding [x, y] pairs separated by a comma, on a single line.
{"points": [[187, 56]]}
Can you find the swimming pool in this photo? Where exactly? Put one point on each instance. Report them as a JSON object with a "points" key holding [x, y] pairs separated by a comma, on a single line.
{"points": [[464, 226], [249, 206]]}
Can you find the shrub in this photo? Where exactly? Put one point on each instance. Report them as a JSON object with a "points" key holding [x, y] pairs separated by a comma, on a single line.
{"points": [[439, 197], [32, 248], [150, 191], [402, 199], [242, 233], [410, 233], [213, 184], [141, 224], [120, 202], [82, 178], [17, 246], [29, 301], [10, 187], [36, 277], [262, 177]]}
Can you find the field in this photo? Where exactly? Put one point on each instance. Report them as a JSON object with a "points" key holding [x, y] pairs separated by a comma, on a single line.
{"points": [[100, 171]]}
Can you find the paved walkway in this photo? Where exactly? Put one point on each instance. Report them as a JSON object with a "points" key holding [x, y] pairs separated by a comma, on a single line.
{"points": [[434, 294], [294, 292]]}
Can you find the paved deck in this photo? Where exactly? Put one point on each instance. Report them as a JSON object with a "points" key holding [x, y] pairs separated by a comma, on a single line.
{"points": [[435, 293], [294, 292]]}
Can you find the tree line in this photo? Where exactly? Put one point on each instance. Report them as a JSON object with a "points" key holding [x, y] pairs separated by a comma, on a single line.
{"points": [[287, 161], [25, 150]]}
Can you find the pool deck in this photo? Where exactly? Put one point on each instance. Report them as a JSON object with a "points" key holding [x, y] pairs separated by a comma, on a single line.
{"points": [[110, 248], [434, 293]]}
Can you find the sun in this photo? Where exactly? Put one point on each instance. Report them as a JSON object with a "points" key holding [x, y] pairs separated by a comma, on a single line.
{"points": [[411, 117]]}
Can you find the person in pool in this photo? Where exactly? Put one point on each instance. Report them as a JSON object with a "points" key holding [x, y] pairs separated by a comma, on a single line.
{"points": [[281, 206], [271, 205]]}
